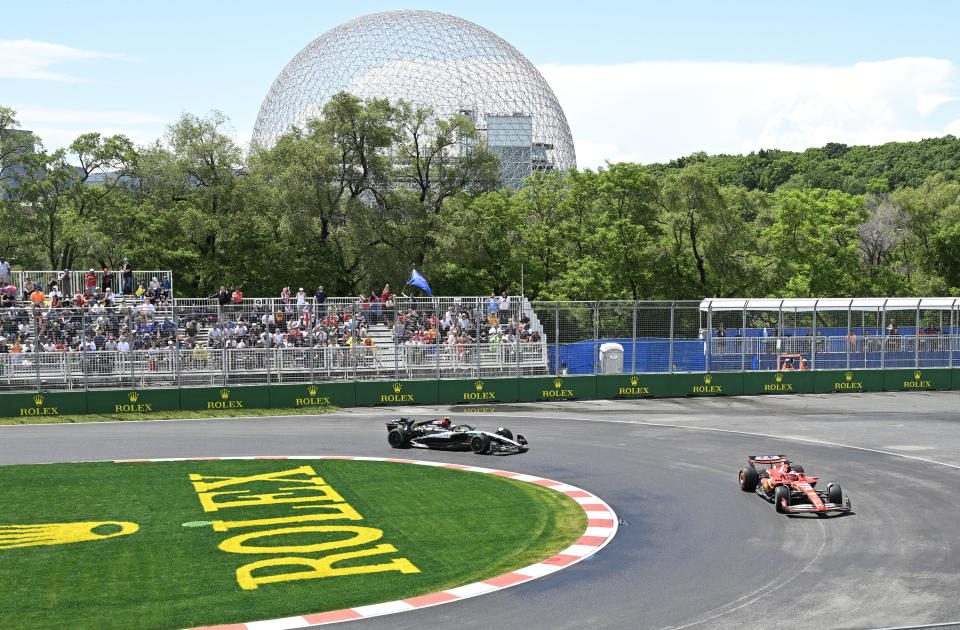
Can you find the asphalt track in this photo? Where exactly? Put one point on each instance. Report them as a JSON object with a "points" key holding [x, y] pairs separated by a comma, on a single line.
{"points": [[694, 551]]}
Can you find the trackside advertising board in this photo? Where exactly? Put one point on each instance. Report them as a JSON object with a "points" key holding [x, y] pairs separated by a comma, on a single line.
{"points": [[634, 385], [784, 382], [469, 392], [556, 388], [478, 391], [312, 395]]}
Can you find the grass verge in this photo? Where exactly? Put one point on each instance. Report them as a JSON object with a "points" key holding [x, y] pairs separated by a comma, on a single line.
{"points": [[454, 527], [169, 415]]}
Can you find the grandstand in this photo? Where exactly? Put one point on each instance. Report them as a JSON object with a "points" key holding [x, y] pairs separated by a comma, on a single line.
{"points": [[145, 340]]}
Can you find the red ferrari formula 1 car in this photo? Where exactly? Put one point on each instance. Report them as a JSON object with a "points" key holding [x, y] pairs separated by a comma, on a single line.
{"points": [[785, 484]]}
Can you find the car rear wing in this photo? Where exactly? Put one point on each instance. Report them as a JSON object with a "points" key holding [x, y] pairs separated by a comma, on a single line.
{"points": [[767, 459]]}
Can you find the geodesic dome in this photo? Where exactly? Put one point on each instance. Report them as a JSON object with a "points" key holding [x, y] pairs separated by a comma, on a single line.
{"points": [[427, 59]]}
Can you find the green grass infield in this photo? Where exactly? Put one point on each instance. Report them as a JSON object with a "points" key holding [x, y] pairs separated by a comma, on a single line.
{"points": [[195, 543]]}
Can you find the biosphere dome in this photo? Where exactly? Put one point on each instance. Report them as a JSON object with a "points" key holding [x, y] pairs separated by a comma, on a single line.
{"points": [[428, 59]]}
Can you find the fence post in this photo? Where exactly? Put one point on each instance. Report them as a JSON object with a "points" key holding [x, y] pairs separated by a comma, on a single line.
{"points": [[596, 336], [177, 350], [83, 346], [953, 310], [849, 322], [813, 340], [883, 337], [36, 344], [633, 363], [709, 335], [743, 340], [916, 339], [556, 339], [673, 307], [311, 314], [223, 345], [133, 377]]}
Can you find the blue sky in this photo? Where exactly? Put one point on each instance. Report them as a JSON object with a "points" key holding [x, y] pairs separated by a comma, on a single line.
{"points": [[638, 81]]}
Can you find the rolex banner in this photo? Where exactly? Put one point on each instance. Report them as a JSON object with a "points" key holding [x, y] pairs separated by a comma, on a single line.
{"points": [[478, 391]]}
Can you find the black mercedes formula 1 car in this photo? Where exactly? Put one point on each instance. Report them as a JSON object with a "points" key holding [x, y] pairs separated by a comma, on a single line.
{"points": [[440, 434], [789, 488]]}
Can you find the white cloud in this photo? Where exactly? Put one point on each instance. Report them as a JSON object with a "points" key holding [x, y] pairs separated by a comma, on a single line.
{"points": [[658, 111], [953, 128], [27, 59]]}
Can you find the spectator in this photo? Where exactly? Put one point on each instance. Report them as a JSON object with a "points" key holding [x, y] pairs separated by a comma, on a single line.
{"points": [[222, 296], [126, 275], [804, 365], [106, 282], [237, 296], [301, 300], [90, 281], [285, 297], [4, 271], [493, 307], [375, 307], [321, 298]]}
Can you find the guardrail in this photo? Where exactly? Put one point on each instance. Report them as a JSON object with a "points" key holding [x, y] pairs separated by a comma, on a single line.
{"points": [[478, 393]]}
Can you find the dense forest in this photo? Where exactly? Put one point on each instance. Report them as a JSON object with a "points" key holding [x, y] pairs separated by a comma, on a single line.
{"points": [[374, 189]]}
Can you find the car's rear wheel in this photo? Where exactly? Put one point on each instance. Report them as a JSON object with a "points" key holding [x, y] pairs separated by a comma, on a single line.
{"points": [[749, 479], [480, 444], [835, 494], [397, 438], [781, 498]]}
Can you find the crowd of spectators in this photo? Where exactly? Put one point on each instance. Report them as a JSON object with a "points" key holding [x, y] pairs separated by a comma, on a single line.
{"points": [[95, 316]]}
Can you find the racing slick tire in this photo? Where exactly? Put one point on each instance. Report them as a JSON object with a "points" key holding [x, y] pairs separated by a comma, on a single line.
{"points": [[398, 438], [835, 494], [781, 494], [480, 444], [749, 478]]}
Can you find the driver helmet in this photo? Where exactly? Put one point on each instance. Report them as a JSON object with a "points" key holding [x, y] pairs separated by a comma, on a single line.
{"points": [[445, 422]]}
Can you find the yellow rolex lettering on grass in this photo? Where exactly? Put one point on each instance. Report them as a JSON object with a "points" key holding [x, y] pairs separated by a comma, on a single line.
{"points": [[40, 409], [225, 402], [397, 395], [296, 534], [12, 536]]}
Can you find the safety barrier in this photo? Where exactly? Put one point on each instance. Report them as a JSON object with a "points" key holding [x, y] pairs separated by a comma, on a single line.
{"points": [[473, 392]]}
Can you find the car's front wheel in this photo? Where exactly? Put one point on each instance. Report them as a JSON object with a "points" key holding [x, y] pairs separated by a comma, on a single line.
{"points": [[480, 444], [781, 498], [397, 438], [835, 494]]}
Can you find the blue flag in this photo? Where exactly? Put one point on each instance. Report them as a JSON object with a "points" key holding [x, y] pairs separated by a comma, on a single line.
{"points": [[417, 280]]}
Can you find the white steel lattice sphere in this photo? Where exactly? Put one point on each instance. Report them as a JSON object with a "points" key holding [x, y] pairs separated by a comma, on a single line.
{"points": [[427, 59]]}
